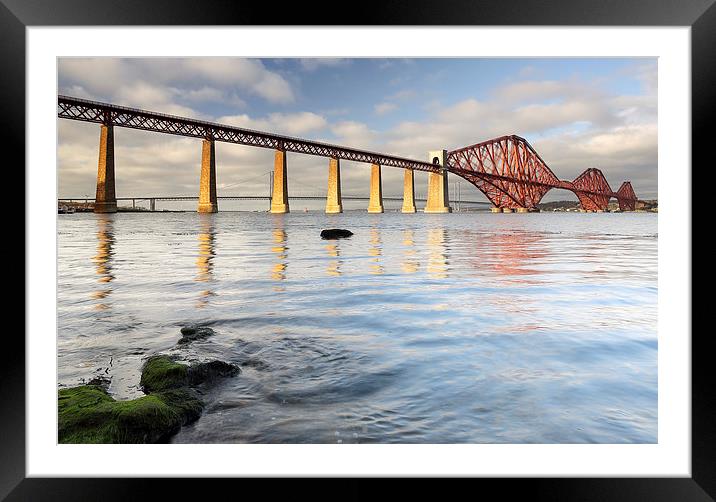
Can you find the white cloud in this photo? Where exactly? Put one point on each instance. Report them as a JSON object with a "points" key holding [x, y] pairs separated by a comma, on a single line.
{"points": [[109, 76], [282, 123], [385, 107], [311, 64], [356, 134]]}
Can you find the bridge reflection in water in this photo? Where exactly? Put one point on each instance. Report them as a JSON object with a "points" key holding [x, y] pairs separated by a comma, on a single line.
{"points": [[510, 261], [409, 264], [375, 251], [205, 258], [103, 259], [334, 266], [278, 271], [437, 254]]}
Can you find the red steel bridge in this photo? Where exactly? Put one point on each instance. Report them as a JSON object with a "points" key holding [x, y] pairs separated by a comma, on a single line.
{"points": [[513, 175], [507, 170]]}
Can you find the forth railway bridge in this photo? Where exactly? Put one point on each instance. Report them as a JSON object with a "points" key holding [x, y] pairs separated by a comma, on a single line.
{"points": [[510, 173]]}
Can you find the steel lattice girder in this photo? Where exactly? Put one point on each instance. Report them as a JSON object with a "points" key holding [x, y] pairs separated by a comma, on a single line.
{"points": [[593, 190], [506, 169], [627, 197], [105, 113], [511, 173]]}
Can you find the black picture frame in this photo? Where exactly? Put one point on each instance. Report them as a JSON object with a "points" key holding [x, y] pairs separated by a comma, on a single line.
{"points": [[700, 15]]}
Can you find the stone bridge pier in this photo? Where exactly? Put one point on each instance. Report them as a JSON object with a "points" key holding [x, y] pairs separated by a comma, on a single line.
{"points": [[105, 197], [334, 202], [207, 182], [438, 197], [279, 192], [375, 205]]}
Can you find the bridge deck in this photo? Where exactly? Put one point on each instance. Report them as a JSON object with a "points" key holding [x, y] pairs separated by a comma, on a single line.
{"points": [[258, 197], [106, 113]]}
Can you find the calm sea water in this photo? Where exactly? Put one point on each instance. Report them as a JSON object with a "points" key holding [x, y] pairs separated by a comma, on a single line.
{"points": [[467, 327]]}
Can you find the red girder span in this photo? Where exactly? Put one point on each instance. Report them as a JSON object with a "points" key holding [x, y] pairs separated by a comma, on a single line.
{"points": [[511, 174]]}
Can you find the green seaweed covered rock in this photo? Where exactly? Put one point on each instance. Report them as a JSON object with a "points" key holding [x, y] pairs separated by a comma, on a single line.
{"points": [[162, 373], [88, 414]]}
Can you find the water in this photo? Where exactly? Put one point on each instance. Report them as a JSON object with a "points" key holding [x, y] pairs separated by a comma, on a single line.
{"points": [[468, 327]]}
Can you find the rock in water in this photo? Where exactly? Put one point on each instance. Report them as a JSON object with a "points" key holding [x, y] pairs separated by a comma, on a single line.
{"points": [[161, 373], [192, 333], [88, 414], [335, 233]]}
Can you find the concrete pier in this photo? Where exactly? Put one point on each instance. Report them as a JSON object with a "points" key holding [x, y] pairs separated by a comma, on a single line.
{"points": [[375, 205], [207, 183], [279, 195], [523, 210], [408, 192], [495, 209], [105, 197], [507, 210], [334, 203], [438, 198]]}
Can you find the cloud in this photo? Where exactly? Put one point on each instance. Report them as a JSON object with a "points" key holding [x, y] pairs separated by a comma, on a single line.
{"points": [[385, 107], [403, 94], [356, 134], [311, 64], [283, 123], [108, 77]]}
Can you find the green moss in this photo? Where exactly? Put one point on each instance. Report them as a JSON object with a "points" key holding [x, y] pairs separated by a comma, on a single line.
{"points": [[87, 414], [162, 373]]}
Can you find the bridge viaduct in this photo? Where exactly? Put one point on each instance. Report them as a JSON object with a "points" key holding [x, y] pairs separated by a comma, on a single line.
{"points": [[507, 169]]}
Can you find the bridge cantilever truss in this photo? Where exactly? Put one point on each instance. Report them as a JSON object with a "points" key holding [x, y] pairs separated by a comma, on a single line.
{"points": [[133, 118], [511, 174]]}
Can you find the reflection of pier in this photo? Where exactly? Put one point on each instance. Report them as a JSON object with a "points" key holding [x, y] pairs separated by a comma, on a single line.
{"points": [[103, 258], [204, 260], [376, 252], [334, 266], [437, 254], [278, 272], [409, 265]]}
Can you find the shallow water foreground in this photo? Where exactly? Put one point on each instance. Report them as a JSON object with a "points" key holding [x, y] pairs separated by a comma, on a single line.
{"points": [[466, 327]]}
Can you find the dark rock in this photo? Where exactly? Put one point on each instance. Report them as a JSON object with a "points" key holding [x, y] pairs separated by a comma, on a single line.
{"points": [[209, 371], [335, 233], [100, 381], [192, 333], [161, 373]]}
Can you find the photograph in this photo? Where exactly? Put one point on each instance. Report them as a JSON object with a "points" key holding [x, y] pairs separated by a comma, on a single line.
{"points": [[341, 250], [429, 243]]}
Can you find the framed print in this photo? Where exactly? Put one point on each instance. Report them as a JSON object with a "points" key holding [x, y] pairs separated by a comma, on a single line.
{"points": [[431, 247]]}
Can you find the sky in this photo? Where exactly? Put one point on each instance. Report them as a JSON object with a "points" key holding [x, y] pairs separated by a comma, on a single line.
{"points": [[577, 114]]}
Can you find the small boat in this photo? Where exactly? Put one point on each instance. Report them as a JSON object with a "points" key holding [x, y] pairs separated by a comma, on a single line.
{"points": [[65, 210]]}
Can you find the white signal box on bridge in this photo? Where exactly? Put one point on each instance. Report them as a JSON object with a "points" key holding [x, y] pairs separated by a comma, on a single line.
{"points": [[437, 157]]}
